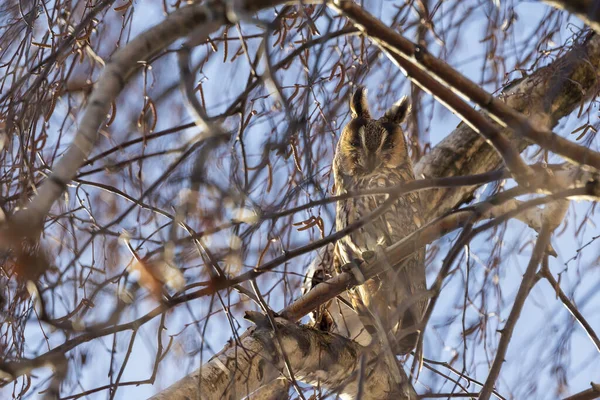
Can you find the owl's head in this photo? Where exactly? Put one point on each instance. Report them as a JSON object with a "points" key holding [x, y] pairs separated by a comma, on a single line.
{"points": [[368, 144]]}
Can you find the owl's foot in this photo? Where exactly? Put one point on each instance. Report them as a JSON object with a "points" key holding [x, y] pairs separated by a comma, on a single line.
{"points": [[355, 263], [369, 256], [354, 268]]}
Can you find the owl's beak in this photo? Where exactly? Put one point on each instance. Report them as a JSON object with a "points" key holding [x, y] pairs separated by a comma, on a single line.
{"points": [[372, 161]]}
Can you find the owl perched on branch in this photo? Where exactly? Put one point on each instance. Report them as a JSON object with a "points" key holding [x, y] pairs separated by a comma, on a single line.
{"points": [[337, 315], [373, 154]]}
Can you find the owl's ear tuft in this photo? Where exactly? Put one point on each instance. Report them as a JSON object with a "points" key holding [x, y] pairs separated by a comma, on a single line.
{"points": [[359, 104], [398, 112]]}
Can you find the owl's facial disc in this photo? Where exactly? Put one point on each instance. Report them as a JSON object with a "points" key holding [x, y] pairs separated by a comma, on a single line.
{"points": [[369, 145], [374, 146]]}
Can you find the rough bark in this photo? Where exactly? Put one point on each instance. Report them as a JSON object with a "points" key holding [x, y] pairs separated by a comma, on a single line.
{"points": [[274, 390]]}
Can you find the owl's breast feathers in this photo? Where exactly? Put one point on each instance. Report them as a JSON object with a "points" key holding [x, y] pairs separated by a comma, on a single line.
{"points": [[400, 219], [384, 293]]}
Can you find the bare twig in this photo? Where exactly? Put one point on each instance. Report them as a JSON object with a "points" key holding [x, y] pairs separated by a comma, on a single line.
{"points": [[589, 394], [554, 216], [546, 273]]}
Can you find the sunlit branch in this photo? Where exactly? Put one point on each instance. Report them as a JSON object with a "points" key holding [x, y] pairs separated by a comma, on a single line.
{"points": [[540, 96], [253, 362]]}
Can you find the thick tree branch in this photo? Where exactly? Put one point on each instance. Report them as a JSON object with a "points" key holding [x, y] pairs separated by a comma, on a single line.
{"points": [[316, 357], [274, 390], [590, 394], [547, 95]]}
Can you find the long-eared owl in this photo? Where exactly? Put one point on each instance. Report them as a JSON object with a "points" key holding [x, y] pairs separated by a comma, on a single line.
{"points": [[373, 154]]}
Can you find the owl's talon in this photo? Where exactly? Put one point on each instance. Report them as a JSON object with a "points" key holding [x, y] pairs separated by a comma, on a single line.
{"points": [[355, 263], [354, 268], [369, 255], [346, 267]]}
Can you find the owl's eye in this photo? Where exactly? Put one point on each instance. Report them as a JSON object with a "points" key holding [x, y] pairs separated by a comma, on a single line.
{"points": [[355, 143], [388, 144]]}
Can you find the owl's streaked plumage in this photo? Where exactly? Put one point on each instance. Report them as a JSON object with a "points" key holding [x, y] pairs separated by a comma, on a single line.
{"points": [[372, 154]]}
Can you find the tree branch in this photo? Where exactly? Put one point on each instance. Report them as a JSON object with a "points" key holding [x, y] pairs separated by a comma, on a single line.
{"points": [[317, 358], [570, 306], [590, 394]]}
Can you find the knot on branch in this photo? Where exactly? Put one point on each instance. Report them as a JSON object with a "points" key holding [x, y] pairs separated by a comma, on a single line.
{"points": [[259, 319], [420, 53], [593, 188]]}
